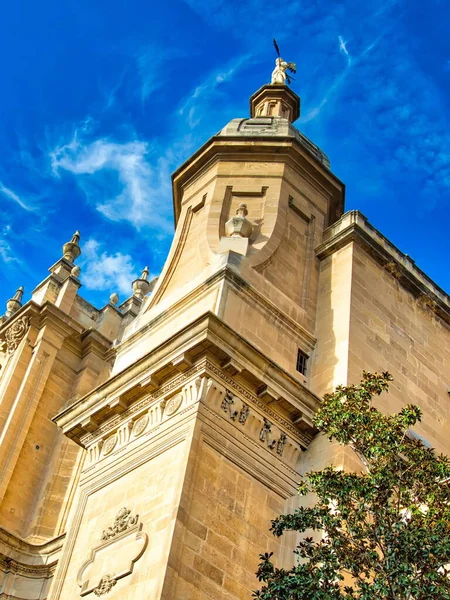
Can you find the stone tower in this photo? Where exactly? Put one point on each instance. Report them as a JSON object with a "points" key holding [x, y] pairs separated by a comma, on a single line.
{"points": [[165, 432]]}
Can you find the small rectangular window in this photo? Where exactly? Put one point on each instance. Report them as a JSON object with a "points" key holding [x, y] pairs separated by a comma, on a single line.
{"points": [[302, 362]]}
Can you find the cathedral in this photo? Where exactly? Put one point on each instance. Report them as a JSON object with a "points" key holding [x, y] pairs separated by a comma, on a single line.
{"points": [[145, 446]]}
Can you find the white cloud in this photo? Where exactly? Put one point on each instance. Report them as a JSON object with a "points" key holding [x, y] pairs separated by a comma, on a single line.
{"points": [[108, 272], [193, 107], [119, 180], [343, 49], [8, 193], [6, 253]]}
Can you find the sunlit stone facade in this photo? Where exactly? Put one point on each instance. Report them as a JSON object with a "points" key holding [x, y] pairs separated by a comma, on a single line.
{"points": [[145, 446]]}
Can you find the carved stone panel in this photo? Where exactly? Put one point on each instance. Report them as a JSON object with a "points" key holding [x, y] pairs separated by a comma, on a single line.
{"points": [[109, 445], [122, 544], [15, 334], [173, 404]]}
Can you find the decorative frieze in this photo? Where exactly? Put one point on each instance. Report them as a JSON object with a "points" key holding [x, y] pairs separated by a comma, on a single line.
{"points": [[302, 437], [173, 404], [140, 425], [264, 436], [109, 445], [228, 404], [236, 401]]}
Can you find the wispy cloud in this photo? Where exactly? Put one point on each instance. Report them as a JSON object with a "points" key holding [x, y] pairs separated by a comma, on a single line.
{"points": [[119, 179], [192, 109], [343, 49], [10, 195], [106, 271], [6, 252]]}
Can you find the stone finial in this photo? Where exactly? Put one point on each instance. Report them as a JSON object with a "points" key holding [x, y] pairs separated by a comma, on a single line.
{"points": [[239, 226], [14, 303], [141, 286], [114, 299], [75, 272], [71, 250]]}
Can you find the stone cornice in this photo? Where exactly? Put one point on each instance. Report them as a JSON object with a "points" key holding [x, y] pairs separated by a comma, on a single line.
{"points": [[45, 314], [354, 227], [206, 336], [20, 545], [63, 325], [95, 342], [231, 276], [268, 149]]}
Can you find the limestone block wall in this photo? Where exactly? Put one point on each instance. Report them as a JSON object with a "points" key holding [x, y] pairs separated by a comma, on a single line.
{"points": [[329, 363], [223, 526], [377, 311], [150, 491], [26, 492], [392, 329]]}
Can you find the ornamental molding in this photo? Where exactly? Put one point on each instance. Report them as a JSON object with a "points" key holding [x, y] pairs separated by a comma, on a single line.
{"points": [[123, 521], [188, 389], [303, 438], [228, 406], [14, 335], [255, 426], [143, 404], [122, 545], [9, 565]]}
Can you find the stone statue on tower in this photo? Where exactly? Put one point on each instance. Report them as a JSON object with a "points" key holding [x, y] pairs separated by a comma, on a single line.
{"points": [[279, 75]]}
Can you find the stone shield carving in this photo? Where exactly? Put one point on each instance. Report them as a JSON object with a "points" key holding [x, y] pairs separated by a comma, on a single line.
{"points": [[122, 544]]}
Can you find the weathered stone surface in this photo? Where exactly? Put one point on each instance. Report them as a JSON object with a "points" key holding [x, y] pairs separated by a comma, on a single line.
{"points": [[146, 446]]}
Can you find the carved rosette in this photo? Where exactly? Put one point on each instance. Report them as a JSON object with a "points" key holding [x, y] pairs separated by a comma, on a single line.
{"points": [[140, 425], [173, 404], [15, 334], [109, 445]]}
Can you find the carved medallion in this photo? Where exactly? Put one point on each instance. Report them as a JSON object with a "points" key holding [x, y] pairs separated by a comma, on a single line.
{"points": [[109, 445], [122, 545], [173, 404], [15, 334], [140, 425]]}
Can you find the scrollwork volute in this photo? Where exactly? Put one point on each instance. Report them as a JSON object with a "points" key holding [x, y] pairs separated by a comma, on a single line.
{"points": [[123, 521], [15, 334]]}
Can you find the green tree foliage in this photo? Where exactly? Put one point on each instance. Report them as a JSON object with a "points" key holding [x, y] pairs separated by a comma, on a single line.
{"points": [[381, 533]]}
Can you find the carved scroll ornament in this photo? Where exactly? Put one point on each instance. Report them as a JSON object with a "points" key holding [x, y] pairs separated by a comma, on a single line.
{"points": [[122, 545], [123, 521], [15, 334]]}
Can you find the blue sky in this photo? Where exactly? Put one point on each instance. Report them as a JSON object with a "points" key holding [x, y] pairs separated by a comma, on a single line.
{"points": [[101, 101]]}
